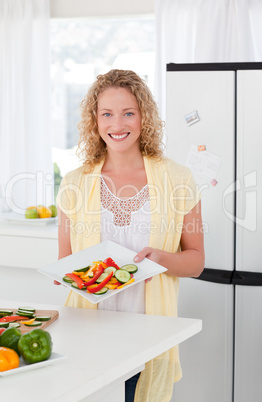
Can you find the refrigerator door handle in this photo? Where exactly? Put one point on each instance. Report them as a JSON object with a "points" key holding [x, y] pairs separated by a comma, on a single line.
{"points": [[244, 278]]}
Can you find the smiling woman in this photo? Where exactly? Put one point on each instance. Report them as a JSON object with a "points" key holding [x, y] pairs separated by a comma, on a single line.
{"points": [[121, 146]]}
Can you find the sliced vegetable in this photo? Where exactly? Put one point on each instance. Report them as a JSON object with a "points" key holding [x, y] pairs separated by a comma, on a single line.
{"points": [[13, 325], [79, 281], [13, 318], [75, 285], [3, 313], [102, 291], [111, 263], [25, 313], [96, 275], [4, 324], [110, 269], [102, 277], [99, 286], [30, 309], [67, 279], [43, 318], [122, 275], [28, 321], [33, 324], [2, 330], [82, 269], [131, 268], [127, 283]]}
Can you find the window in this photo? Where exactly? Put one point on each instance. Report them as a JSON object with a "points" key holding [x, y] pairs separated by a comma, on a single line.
{"points": [[80, 50]]}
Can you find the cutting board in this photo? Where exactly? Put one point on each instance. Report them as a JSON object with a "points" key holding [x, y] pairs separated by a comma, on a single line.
{"points": [[51, 313]]}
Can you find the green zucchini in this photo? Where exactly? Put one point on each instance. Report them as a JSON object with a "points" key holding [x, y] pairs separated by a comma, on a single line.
{"points": [[14, 325], [101, 291], [29, 309], [108, 270], [102, 277], [131, 268], [74, 285], [34, 324], [25, 313], [67, 279], [4, 324], [43, 318], [4, 313], [82, 269], [122, 275]]}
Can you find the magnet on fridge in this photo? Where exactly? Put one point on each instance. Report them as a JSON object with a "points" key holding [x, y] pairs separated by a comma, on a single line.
{"points": [[201, 148], [192, 118], [213, 182]]}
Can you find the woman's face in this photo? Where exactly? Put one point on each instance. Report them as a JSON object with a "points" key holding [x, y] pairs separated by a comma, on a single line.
{"points": [[119, 119]]}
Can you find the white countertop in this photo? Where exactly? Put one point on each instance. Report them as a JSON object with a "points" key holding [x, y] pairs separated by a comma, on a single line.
{"points": [[102, 347]]}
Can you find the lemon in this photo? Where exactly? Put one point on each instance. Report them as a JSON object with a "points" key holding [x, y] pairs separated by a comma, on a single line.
{"points": [[53, 210], [44, 212], [31, 213]]}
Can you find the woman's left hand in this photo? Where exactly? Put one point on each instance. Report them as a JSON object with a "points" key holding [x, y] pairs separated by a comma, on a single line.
{"points": [[150, 253]]}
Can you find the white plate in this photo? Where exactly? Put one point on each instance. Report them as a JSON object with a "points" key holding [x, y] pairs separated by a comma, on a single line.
{"points": [[17, 218], [54, 358], [121, 255]]}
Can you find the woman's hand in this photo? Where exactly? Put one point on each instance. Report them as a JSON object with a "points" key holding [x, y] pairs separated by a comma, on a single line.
{"points": [[150, 253]]}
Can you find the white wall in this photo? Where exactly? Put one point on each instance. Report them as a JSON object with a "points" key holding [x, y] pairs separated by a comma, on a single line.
{"points": [[103, 8]]}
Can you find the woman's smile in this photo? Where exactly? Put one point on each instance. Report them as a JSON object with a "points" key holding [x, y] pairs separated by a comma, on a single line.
{"points": [[119, 136]]}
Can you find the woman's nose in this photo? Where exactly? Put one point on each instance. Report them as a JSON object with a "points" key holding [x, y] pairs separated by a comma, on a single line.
{"points": [[117, 123]]}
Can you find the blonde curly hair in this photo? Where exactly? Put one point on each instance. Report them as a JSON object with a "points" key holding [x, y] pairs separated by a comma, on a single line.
{"points": [[91, 148]]}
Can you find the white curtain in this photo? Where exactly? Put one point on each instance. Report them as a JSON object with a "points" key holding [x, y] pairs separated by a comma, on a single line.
{"points": [[202, 31], [26, 171]]}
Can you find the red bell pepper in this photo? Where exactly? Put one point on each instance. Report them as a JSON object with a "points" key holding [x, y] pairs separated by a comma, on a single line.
{"points": [[76, 279], [2, 330], [97, 273], [11, 318], [111, 263], [99, 286]]}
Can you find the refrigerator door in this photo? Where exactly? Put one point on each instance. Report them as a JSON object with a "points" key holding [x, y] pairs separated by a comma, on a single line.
{"points": [[248, 311], [249, 171], [212, 95], [206, 359], [248, 339]]}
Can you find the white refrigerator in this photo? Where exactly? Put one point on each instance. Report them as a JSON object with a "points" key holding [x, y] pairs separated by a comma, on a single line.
{"points": [[214, 126]]}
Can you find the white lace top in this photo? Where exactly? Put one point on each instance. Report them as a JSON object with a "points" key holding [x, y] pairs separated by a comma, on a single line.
{"points": [[126, 222]]}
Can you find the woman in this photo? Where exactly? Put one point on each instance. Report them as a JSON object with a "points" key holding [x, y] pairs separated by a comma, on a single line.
{"points": [[128, 192]]}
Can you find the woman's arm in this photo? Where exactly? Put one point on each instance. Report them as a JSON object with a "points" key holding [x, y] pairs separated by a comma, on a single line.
{"points": [[190, 261], [64, 243]]}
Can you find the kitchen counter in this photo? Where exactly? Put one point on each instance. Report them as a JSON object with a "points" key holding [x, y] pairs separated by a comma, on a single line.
{"points": [[103, 349]]}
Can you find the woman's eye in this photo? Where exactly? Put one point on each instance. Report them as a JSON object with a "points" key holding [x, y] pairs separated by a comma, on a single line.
{"points": [[106, 114], [129, 114]]}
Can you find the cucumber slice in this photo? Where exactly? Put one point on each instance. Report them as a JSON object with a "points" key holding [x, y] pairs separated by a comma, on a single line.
{"points": [[43, 318], [122, 275], [29, 309], [4, 324], [14, 325], [25, 313], [34, 324], [102, 277], [108, 270], [4, 313], [132, 268], [67, 279], [101, 291], [74, 285], [82, 269]]}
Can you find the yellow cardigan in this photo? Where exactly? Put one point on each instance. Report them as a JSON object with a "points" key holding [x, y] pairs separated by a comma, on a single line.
{"points": [[173, 193]]}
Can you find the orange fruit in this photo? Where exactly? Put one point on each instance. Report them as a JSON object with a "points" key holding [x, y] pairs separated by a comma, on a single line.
{"points": [[9, 359], [44, 212]]}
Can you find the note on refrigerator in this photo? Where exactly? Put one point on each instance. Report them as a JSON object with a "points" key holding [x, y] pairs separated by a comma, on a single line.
{"points": [[203, 163]]}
